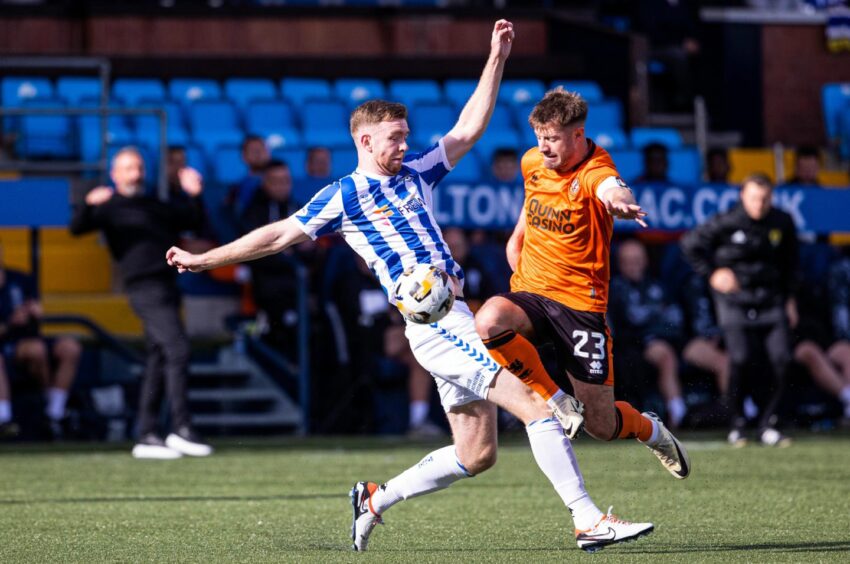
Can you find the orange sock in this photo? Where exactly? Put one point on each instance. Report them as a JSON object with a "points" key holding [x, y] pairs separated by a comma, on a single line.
{"points": [[631, 424], [517, 355]]}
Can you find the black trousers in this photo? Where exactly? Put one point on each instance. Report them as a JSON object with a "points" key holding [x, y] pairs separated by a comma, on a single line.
{"points": [[752, 336], [156, 300]]}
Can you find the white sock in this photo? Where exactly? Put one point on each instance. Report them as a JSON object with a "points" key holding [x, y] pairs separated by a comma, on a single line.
{"points": [[751, 410], [676, 409], [554, 455], [56, 400], [653, 438], [437, 471], [553, 400], [844, 395], [418, 413], [5, 411]]}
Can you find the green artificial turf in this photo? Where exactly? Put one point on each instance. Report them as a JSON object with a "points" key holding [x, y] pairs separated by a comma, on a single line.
{"points": [[286, 500]]}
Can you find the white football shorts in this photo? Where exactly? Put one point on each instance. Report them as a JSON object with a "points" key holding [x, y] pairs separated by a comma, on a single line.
{"points": [[453, 353]]}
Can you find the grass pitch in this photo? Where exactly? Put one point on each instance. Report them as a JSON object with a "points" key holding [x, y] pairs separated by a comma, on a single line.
{"points": [[286, 501]]}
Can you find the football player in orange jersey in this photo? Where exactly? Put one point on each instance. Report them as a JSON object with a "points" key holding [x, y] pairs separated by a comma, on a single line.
{"points": [[560, 254]]}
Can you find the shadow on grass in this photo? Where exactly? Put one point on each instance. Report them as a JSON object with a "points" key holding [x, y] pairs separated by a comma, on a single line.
{"points": [[814, 546], [158, 499]]}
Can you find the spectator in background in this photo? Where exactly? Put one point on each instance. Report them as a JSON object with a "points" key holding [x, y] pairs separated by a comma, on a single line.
{"points": [[806, 167], [139, 230], [717, 165], [318, 170], [505, 167], [478, 284], [749, 256], [255, 155], [656, 164], [8, 428], [704, 347], [52, 362], [646, 326], [839, 302]]}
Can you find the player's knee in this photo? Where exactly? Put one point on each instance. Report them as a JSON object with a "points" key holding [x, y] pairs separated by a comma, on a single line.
{"points": [[67, 348], [487, 319], [32, 349], [805, 352]]}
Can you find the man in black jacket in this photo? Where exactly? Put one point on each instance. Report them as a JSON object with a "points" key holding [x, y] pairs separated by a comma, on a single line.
{"points": [[139, 230], [749, 255]]}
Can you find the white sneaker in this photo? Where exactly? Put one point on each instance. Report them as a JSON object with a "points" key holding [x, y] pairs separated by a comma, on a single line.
{"points": [[364, 519], [568, 411], [736, 438], [151, 447], [611, 530], [669, 450], [187, 442], [773, 438]]}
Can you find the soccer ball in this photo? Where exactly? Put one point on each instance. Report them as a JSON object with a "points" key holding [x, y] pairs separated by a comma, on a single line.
{"points": [[423, 294]]}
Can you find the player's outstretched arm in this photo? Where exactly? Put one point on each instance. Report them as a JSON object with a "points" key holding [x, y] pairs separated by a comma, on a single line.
{"points": [[476, 113], [261, 242], [620, 202]]}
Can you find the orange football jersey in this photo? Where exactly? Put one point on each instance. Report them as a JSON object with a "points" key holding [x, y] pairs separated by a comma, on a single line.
{"points": [[566, 252]]}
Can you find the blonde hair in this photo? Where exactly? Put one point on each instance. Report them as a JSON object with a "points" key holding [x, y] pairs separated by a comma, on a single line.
{"points": [[559, 107], [376, 111]]}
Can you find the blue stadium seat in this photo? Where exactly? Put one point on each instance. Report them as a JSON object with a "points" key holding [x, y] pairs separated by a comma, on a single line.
{"points": [[521, 92], [845, 131], [196, 159], [343, 162], [355, 91], [295, 158], [458, 90], [685, 166], [629, 163], [610, 139], [836, 96], [604, 116], [429, 122], [497, 139], [147, 125], [667, 136], [412, 92], [191, 90], [214, 124], [325, 124], [588, 89], [227, 164], [466, 171], [45, 135], [118, 133], [243, 91], [274, 121], [75, 89], [17, 90], [132, 91], [300, 90]]}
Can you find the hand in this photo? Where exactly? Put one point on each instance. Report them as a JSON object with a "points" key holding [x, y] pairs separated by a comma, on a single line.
{"points": [[35, 309], [622, 210], [724, 281], [99, 195], [502, 39], [792, 313], [20, 316], [183, 260], [191, 181]]}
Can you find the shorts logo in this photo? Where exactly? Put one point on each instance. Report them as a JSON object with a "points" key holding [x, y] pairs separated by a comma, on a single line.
{"points": [[596, 367]]}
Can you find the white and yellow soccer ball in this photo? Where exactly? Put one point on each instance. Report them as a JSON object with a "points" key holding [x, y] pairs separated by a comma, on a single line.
{"points": [[423, 294]]}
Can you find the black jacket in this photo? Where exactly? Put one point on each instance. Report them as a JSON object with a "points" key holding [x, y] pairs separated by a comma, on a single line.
{"points": [[139, 230], [762, 254]]}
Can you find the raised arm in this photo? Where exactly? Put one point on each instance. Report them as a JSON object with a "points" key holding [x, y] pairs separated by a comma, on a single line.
{"points": [[261, 242], [476, 113]]}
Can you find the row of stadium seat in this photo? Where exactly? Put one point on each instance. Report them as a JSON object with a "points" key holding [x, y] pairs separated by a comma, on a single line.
{"points": [[836, 112]]}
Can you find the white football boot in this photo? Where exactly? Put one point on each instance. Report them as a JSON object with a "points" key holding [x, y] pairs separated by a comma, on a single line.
{"points": [[668, 449], [611, 530], [568, 411], [364, 519]]}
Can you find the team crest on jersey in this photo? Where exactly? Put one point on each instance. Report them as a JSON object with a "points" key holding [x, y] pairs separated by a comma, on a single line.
{"points": [[574, 187], [775, 237]]}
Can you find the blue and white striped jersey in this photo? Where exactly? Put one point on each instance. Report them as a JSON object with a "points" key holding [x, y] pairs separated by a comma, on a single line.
{"points": [[387, 220]]}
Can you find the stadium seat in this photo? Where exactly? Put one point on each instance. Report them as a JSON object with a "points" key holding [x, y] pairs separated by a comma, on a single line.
{"points": [[604, 116], [743, 162], [45, 135], [325, 124], [90, 139], [521, 92], [836, 97], [191, 90], [300, 90], [196, 159], [685, 166], [295, 158], [458, 91], [243, 91], [610, 138], [343, 162], [466, 171], [16, 90], [588, 90], [667, 136], [354, 91], [274, 121], [228, 166], [147, 125], [429, 122], [214, 124], [844, 126], [629, 163], [497, 139], [412, 92], [132, 91], [74, 89]]}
